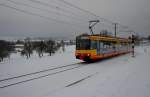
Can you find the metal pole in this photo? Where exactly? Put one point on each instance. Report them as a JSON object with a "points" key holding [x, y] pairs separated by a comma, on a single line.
{"points": [[115, 29]]}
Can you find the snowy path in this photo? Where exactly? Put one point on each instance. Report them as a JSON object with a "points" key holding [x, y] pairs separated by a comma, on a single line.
{"points": [[122, 76]]}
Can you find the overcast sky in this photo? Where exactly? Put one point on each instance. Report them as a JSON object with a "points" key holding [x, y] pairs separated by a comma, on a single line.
{"points": [[53, 18]]}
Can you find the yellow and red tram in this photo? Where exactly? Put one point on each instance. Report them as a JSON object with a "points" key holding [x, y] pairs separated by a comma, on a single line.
{"points": [[94, 47]]}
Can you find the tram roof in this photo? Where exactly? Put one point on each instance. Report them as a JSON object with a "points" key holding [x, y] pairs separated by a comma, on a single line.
{"points": [[106, 38]]}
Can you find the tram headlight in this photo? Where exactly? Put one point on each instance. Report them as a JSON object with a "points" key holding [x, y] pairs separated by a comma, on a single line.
{"points": [[88, 54]]}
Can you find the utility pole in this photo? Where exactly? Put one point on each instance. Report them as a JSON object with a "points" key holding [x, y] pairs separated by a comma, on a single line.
{"points": [[115, 29], [133, 44]]}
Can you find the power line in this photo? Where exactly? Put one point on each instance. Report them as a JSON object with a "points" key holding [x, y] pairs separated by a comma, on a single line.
{"points": [[38, 15], [54, 7], [82, 13], [48, 5], [72, 5], [57, 13], [90, 13]]}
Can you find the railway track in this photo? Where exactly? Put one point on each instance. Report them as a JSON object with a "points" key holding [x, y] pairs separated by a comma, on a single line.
{"points": [[11, 81]]}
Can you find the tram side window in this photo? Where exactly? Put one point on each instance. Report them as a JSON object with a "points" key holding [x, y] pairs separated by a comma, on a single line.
{"points": [[104, 45], [93, 44], [107, 47]]}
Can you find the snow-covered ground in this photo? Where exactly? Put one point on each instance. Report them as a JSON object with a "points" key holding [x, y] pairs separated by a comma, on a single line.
{"points": [[17, 65], [122, 76]]}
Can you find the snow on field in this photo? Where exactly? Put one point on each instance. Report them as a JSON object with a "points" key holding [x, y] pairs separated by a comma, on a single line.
{"points": [[20, 65], [122, 76]]}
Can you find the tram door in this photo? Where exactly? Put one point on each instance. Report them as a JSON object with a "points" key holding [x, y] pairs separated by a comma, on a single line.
{"points": [[98, 47], [95, 46]]}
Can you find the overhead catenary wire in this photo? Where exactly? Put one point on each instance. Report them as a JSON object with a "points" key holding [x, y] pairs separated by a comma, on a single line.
{"points": [[82, 10], [49, 11], [61, 10], [38, 15], [98, 17], [70, 8], [56, 7], [71, 5], [86, 11]]}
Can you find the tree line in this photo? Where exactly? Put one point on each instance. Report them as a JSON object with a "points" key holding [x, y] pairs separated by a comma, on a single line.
{"points": [[5, 49], [41, 47]]}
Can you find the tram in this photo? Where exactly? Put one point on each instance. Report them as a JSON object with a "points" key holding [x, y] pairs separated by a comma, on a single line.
{"points": [[95, 47], [99, 46]]}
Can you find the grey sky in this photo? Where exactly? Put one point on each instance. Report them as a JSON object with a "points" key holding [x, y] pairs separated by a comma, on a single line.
{"points": [[133, 13]]}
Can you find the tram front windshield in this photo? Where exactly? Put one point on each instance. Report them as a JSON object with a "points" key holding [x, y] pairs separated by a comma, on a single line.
{"points": [[82, 44]]}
